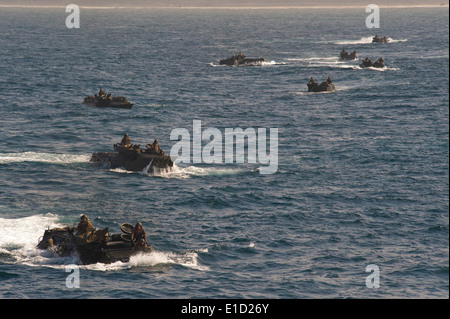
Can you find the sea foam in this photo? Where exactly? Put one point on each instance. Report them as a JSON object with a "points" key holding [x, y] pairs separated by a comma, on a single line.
{"points": [[51, 158], [366, 40]]}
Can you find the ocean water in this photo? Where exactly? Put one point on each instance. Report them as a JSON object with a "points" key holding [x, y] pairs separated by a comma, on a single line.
{"points": [[362, 174]]}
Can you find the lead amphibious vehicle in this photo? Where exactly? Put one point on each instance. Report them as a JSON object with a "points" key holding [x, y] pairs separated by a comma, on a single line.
{"points": [[97, 246]]}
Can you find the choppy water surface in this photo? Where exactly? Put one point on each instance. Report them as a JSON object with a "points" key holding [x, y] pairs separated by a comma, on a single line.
{"points": [[362, 175]]}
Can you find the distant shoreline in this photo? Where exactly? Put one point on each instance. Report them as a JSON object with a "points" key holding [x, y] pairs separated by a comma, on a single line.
{"points": [[230, 8]]}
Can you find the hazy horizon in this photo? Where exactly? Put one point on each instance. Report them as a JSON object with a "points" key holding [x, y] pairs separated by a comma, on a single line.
{"points": [[219, 3]]}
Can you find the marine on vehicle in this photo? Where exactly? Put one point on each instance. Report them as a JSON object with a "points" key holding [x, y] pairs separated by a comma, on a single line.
{"points": [[366, 63], [378, 39], [344, 55], [93, 246], [325, 86], [132, 158]]}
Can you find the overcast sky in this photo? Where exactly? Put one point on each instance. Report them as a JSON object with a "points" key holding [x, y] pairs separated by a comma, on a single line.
{"points": [[220, 3]]}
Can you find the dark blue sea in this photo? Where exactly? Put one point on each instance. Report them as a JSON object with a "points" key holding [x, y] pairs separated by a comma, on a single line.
{"points": [[362, 176]]}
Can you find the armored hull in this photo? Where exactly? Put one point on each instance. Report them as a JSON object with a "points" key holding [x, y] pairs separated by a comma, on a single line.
{"points": [[381, 40], [348, 56], [377, 64], [116, 102], [322, 87], [240, 59], [132, 158]]}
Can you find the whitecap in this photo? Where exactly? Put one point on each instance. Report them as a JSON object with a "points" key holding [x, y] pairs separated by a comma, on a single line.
{"points": [[366, 40], [363, 40], [25, 232], [313, 59], [51, 158], [189, 171], [340, 89], [178, 172], [334, 62], [188, 259], [213, 64], [268, 63], [385, 68], [20, 236], [121, 171]]}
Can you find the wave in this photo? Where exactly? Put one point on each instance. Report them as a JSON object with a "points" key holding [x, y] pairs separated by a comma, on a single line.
{"points": [[19, 237], [444, 56], [357, 67], [187, 259], [366, 40], [170, 172], [267, 63], [386, 68], [313, 59], [25, 232], [340, 89], [215, 65], [177, 172], [272, 63], [187, 172], [322, 61], [335, 62], [310, 93], [7, 158]]}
